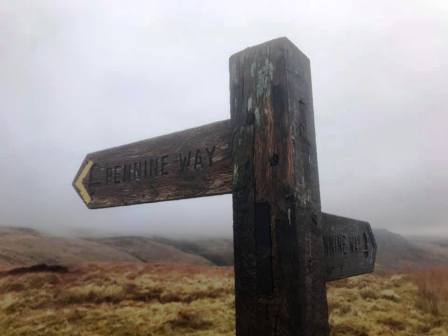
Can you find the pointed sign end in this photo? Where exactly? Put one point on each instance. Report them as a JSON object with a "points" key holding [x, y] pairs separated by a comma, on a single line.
{"points": [[78, 184]]}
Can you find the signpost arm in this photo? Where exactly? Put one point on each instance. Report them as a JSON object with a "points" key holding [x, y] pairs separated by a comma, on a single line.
{"points": [[279, 279]]}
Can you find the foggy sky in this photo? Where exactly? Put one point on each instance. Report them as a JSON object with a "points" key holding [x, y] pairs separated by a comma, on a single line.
{"points": [[80, 76]]}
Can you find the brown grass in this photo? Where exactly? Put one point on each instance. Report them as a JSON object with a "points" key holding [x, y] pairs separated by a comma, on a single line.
{"points": [[137, 299], [388, 304], [432, 290]]}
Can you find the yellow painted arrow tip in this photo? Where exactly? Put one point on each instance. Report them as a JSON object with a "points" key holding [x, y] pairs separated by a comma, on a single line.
{"points": [[79, 185]]}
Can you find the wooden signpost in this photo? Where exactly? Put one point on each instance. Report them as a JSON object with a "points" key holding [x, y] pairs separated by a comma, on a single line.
{"points": [[285, 248]]}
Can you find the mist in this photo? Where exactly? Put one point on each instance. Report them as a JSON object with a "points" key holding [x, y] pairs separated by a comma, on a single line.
{"points": [[77, 77]]}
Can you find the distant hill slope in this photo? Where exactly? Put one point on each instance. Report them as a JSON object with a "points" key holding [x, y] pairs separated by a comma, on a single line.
{"points": [[437, 247], [218, 250], [24, 247], [150, 250], [398, 252]]}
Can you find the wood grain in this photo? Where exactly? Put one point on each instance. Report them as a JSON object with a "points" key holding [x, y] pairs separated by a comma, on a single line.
{"points": [[279, 273], [191, 163]]}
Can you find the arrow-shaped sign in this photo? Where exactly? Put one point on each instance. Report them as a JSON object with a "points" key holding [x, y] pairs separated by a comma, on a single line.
{"points": [[192, 163], [349, 247]]}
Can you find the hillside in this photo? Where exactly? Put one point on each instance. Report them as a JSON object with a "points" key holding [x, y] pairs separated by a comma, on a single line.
{"points": [[20, 247], [399, 253], [218, 251], [438, 246], [150, 250]]}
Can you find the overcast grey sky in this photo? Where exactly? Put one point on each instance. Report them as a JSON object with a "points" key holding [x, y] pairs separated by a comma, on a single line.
{"points": [[79, 76]]}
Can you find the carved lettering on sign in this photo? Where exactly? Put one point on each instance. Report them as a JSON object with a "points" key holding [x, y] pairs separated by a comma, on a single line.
{"points": [[346, 244], [151, 167], [196, 160]]}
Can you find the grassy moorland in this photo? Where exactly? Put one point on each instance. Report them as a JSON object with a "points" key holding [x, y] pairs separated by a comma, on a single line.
{"points": [[137, 299], [413, 304]]}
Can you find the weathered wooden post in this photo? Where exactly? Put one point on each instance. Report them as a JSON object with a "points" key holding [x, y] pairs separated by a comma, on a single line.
{"points": [[279, 279], [285, 248]]}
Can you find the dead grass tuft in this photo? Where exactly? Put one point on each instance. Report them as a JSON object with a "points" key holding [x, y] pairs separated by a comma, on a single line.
{"points": [[186, 319], [393, 323], [432, 290], [349, 329]]}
